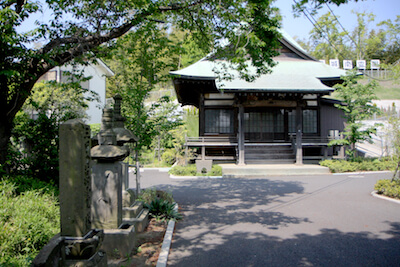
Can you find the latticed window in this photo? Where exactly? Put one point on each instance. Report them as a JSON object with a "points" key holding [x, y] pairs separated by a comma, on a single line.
{"points": [[219, 121], [310, 121]]}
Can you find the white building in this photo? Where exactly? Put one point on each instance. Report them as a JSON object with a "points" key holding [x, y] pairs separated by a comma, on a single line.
{"points": [[97, 83]]}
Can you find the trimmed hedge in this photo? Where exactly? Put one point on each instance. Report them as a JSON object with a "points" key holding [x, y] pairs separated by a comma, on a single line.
{"points": [[388, 188], [191, 170], [359, 165]]}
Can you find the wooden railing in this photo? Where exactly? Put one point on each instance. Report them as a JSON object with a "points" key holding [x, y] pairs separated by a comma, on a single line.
{"points": [[211, 141]]}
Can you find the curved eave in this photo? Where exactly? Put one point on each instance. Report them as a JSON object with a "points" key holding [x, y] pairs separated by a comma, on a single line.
{"points": [[281, 90]]}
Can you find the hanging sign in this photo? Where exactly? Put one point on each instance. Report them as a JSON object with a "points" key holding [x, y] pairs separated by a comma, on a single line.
{"points": [[334, 63], [361, 64], [347, 64], [375, 64]]}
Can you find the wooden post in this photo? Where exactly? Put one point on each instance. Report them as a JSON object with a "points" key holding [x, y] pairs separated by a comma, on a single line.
{"points": [[241, 136], [299, 133], [203, 150]]}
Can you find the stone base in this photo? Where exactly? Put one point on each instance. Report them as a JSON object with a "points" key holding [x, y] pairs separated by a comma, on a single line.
{"points": [[204, 164], [140, 222], [99, 259], [119, 242], [132, 211]]}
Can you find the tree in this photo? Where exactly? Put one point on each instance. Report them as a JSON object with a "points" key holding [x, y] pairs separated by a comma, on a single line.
{"points": [[77, 27], [35, 135], [357, 106], [328, 42], [392, 31]]}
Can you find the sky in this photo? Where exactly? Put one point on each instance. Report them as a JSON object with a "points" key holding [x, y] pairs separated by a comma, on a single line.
{"points": [[301, 26]]}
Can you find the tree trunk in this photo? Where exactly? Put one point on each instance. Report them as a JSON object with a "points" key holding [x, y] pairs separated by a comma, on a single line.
{"points": [[5, 134]]}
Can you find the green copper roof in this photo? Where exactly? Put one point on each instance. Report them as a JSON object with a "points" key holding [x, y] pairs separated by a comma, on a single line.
{"points": [[289, 75], [295, 72]]}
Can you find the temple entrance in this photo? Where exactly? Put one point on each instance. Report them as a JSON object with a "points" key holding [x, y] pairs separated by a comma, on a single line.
{"points": [[265, 125]]}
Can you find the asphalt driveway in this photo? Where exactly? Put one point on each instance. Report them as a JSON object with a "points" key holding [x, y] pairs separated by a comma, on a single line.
{"points": [[329, 220]]}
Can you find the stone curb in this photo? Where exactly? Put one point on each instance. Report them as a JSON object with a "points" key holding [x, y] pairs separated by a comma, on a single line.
{"points": [[166, 245], [357, 173], [194, 177], [374, 194]]}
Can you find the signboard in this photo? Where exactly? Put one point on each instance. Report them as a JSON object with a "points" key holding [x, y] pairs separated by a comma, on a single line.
{"points": [[322, 61], [334, 63], [361, 64], [375, 64], [347, 64]]}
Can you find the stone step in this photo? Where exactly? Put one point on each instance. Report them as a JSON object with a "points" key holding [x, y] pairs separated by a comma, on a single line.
{"points": [[270, 161], [269, 156]]}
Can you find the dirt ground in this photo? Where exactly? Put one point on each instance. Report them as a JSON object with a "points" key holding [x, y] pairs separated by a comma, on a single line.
{"points": [[148, 246]]}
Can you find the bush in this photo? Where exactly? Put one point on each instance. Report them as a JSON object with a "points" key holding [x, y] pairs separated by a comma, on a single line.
{"points": [[150, 194], [28, 219], [169, 156], [161, 204], [191, 170], [389, 188], [163, 210], [364, 164]]}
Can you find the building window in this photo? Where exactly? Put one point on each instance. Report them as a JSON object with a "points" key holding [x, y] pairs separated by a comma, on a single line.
{"points": [[219, 121], [310, 121]]}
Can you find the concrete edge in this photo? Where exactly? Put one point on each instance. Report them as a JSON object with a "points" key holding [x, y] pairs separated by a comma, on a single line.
{"points": [[357, 173], [193, 177], [166, 245], [375, 194]]}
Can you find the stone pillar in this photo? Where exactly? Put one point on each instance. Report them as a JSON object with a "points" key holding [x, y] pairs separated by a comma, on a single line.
{"points": [[299, 135], [106, 177], [75, 185], [241, 135], [77, 244], [124, 136]]}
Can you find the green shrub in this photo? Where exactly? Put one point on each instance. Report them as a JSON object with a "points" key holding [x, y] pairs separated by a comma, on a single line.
{"points": [[364, 164], [216, 171], [28, 219], [191, 170], [150, 194], [169, 156], [163, 210], [388, 188]]}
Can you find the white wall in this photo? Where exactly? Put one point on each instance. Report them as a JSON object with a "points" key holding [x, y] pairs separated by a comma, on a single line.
{"points": [[97, 83]]}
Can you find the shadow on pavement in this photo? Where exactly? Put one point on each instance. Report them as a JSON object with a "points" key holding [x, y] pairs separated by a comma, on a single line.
{"points": [[235, 222]]}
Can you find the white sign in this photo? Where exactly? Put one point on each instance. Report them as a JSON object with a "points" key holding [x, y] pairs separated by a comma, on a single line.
{"points": [[347, 64], [322, 61], [361, 64], [334, 63], [375, 64]]}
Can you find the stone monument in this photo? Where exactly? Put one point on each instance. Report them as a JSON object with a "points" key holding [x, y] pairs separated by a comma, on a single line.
{"points": [[107, 173], [77, 244], [123, 137]]}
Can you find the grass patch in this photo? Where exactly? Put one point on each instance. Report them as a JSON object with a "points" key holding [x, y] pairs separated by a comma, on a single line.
{"points": [[191, 170], [29, 217], [360, 164]]}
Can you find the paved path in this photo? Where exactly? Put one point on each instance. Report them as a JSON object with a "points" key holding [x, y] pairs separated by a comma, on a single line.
{"points": [[329, 220]]}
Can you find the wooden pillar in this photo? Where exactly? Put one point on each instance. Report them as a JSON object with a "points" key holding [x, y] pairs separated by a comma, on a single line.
{"points": [[241, 135], [299, 134]]}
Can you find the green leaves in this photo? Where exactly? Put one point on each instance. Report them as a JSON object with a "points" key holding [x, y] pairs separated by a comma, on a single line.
{"points": [[357, 106]]}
